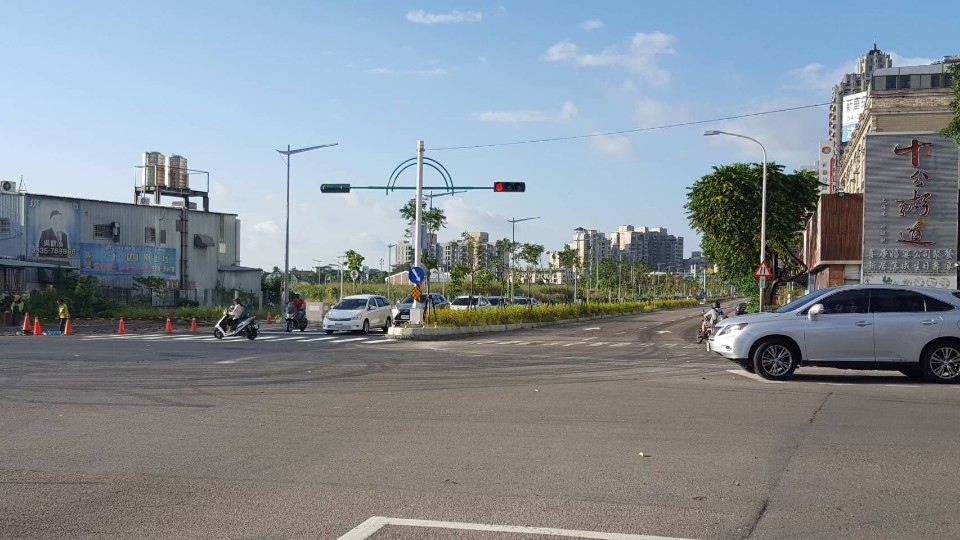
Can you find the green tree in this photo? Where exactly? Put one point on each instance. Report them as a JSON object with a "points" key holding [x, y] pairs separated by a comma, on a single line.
{"points": [[354, 262], [953, 128], [530, 254], [724, 206]]}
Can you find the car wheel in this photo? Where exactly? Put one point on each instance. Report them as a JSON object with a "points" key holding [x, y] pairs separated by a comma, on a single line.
{"points": [[328, 332], [940, 361], [386, 325], [366, 327], [775, 359]]}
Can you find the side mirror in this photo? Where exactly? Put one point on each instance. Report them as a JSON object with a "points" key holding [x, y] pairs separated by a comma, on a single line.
{"points": [[812, 313]]}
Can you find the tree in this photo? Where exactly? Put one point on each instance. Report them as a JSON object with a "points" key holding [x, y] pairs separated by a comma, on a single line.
{"points": [[354, 262], [530, 254], [724, 206], [953, 128]]}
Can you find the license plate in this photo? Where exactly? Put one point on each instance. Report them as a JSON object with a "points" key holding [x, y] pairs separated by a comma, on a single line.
{"points": [[402, 317]]}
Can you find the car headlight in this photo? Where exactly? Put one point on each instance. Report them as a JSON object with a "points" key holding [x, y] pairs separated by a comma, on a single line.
{"points": [[733, 327], [357, 315]]}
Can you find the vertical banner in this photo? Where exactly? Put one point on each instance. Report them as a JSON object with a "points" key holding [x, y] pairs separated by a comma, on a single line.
{"points": [[910, 210], [53, 230], [826, 166]]}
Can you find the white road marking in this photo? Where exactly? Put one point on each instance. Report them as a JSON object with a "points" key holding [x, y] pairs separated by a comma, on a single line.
{"points": [[382, 342], [754, 376], [621, 344], [369, 527], [325, 338], [597, 344], [592, 328], [235, 360], [664, 332], [351, 339]]}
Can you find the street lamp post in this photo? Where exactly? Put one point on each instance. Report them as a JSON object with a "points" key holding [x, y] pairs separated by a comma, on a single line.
{"points": [[340, 263], [286, 253], [513, 240], [763, 204], [389, 267], [580, 231]]}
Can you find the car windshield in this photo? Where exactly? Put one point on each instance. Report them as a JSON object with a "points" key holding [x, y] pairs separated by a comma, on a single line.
{"points": [[464, 301], [351, 303], [406, 300], [792, 306]]}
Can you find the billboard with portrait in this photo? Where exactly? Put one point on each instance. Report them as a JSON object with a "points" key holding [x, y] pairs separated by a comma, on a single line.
{"points": [[53, 230]]}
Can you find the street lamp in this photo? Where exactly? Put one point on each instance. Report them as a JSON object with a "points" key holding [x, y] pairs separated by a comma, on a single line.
{"points": [[286, 253], [763, 204], [580, 231], [513, 240], [389, 267]]}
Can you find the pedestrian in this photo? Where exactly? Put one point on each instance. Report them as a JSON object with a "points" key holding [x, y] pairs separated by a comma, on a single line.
{"points": [[64, 313], [17, 308]]}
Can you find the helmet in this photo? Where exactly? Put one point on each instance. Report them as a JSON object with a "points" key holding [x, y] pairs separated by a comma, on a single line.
{"points": [[716, 304]]}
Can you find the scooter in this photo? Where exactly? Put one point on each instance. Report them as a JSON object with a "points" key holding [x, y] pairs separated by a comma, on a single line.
{"points": [[247, 327], [296, 319]]}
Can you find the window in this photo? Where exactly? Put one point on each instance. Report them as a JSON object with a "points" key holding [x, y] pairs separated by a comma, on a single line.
{"points": [[897, 301], [103, 231], [904, 81], [891, 82], [149, 235], [163, 236], [857, 301], [947, 80], [4, 225], [935, 80]]}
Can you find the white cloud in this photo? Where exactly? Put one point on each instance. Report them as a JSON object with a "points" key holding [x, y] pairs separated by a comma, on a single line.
{"points": [[592, 24], [639, 56], [380, 71], [436, 72], [422, 17], [567, 111], [267, 227], [901, 61], [612, 145]]}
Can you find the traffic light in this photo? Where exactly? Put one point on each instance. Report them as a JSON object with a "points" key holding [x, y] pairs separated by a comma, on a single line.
{"points": [[334, 188], [510, 187]]}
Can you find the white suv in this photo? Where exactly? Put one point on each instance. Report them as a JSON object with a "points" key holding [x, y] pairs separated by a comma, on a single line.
{"points": [[358, 313]]}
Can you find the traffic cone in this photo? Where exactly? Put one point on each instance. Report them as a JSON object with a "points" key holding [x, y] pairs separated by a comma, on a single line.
{"points": [[27, 329], [68, 329], [121, 329], [193, 324], [269, 320], [36, 326], [169, 327]]}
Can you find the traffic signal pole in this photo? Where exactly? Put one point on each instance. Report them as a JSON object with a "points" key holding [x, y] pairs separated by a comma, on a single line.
{"points": [[416, 313]]}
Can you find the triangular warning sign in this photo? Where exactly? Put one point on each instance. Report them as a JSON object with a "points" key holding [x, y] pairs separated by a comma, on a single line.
{"points": [[763, 270]]}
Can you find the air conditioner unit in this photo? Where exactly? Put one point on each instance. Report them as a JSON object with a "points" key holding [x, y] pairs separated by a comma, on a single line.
{"points": [[8, 186]]}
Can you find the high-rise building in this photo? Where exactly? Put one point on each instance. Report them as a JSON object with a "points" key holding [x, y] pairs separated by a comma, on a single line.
{"points": [[848, 92]]}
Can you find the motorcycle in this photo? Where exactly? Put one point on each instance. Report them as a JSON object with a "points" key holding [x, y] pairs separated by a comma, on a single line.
{"points": [[704, 334], [296, 318], [247, 328]]}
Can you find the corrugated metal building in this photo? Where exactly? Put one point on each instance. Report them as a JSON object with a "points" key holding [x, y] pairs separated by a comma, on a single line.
{"points": [[196, 252]]}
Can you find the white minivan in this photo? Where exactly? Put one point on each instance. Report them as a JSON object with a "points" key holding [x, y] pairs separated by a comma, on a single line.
{"points": [[358, 313]]}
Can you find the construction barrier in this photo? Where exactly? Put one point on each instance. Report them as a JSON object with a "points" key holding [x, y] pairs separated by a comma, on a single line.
{"points": [[193, 324], [36, 326], [27, 329], [169, 328], [68, 329], [121, 329]]}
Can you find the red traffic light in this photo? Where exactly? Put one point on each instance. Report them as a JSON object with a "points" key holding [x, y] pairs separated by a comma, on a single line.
{"points": [[509, 187]]}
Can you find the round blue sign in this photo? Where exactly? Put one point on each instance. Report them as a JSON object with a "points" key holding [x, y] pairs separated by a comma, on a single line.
{"points": [[416, 274]]}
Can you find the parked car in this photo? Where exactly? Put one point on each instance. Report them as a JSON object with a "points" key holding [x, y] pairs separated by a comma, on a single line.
{"points": [[525, 301], [498, 301], [915, 330], [401, 310], [358, 313], [470, 302], [740, 309]]}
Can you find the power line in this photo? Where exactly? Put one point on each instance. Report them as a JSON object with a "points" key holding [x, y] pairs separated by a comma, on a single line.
{"points": [[625, 131]]}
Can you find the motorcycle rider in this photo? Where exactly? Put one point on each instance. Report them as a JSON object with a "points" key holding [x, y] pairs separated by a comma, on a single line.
{"points": [[237, 313], [297, 307], [711, 318]]}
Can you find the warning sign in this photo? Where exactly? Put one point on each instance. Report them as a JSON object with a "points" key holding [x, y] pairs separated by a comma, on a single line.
{"points": [[763, 271]]}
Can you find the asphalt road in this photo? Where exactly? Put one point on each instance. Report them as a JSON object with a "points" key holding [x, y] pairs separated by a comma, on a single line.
{"points": [[611, 428]]}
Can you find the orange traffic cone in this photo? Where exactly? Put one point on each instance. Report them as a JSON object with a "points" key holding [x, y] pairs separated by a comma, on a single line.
{"points": [[27, 329], [269, 320], [169, 327], [121, 329], [68, 329], [193, 324], [36, 326]]}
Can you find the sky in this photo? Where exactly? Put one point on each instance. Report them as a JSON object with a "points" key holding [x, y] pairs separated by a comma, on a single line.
{"points": [[600, 107]]}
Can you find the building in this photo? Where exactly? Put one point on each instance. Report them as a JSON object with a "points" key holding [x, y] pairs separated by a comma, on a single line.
{"points": [[846, 97], [894, 216], [196, 253]]}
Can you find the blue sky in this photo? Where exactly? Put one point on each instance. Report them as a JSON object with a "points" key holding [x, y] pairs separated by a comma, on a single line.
{"points": [[89, 86]]}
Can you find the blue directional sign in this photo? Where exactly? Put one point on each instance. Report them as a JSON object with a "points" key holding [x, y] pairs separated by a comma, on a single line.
{"points": [[416, 274]]}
